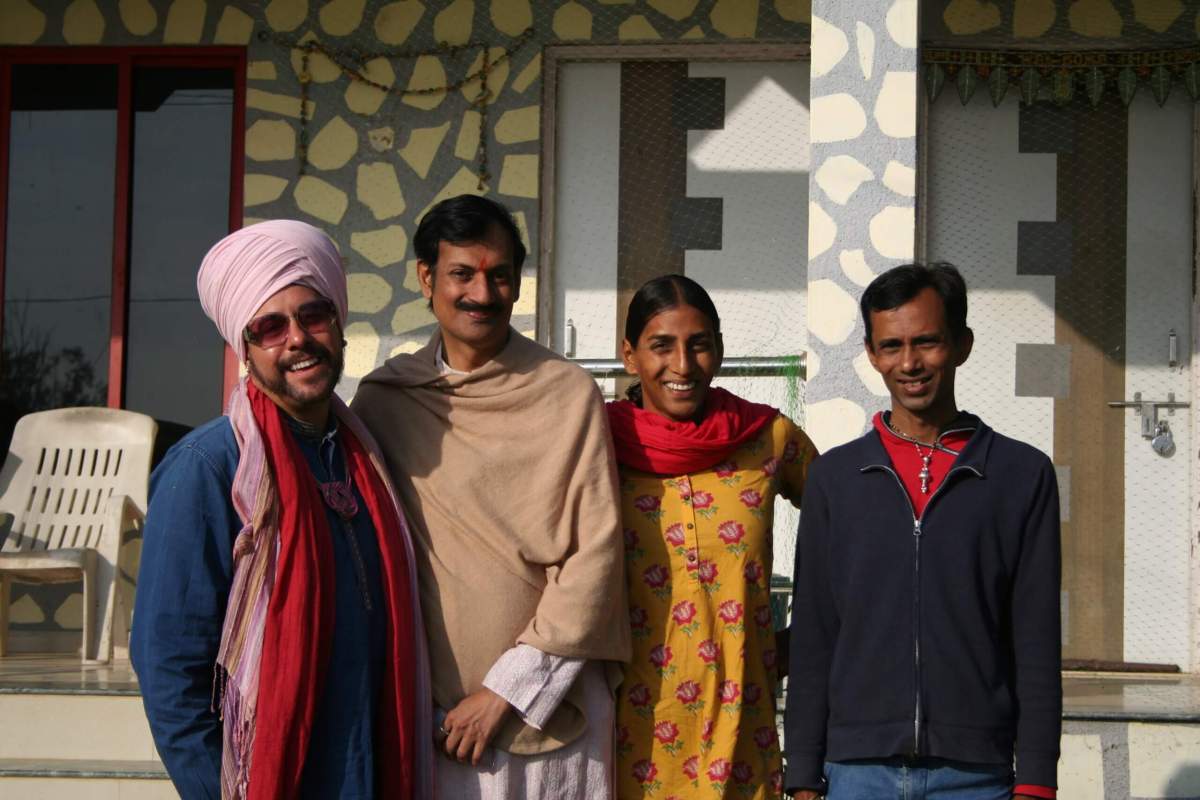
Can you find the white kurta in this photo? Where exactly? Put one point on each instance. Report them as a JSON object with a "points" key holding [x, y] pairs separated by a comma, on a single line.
{"points": [[534, 683]]}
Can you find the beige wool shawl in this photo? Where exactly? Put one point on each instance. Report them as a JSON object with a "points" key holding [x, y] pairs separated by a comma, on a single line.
{"points": [[508, 476]]}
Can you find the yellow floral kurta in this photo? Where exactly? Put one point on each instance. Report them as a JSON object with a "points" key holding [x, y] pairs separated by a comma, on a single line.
{"points": [[696, 711]]}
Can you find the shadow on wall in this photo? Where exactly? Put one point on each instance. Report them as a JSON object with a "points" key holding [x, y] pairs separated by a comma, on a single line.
{"points": [[1185, 783]]}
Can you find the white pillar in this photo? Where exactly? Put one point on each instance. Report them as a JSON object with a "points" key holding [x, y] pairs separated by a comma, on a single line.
{"points": [[861, 218]]}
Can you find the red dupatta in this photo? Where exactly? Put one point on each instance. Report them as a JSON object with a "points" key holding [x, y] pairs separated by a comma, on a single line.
{"points": [[650, 442], [300, 618]]}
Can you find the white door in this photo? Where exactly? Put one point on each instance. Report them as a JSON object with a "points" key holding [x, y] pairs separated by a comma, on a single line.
{"points": [[1073, 227]]}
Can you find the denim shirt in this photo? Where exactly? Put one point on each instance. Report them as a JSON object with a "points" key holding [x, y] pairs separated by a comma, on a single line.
{"points": [[183, 588]]}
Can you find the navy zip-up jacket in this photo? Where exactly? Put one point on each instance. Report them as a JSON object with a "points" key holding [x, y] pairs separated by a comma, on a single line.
{"points": [[939, 637]]}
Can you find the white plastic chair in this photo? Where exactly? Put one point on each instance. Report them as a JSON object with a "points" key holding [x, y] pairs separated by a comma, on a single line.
{"points": [[74, 483]]}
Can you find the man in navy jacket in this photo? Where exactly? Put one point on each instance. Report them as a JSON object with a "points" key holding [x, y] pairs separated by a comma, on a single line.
{"points": [[925, 644]]}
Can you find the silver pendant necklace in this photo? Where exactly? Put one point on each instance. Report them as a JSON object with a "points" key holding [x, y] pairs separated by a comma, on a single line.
{"points": [[924, 474], [926, 458]]}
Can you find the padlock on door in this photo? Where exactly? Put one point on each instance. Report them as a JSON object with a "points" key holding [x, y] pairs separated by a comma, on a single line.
{"points": [[1163, 441]]}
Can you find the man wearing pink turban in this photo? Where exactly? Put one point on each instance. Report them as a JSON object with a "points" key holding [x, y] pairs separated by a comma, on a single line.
{"points": [[277, 637]]}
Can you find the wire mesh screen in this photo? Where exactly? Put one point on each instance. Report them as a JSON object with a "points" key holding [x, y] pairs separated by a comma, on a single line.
{"points": [[1062, 190]]}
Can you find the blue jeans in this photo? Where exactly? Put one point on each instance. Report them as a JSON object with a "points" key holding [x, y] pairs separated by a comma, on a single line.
{"points": [[917, 779]]}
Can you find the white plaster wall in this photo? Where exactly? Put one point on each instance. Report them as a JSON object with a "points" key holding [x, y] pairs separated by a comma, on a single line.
{"points": [[980, 186], [586, 203], [1194, 419], [1081, 767], [1163, 760], [758, 164], [1158, 299]]}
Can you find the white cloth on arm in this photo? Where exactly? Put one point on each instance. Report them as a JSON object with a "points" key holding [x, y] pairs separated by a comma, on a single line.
{"points": [[533, 682], [580, 771]]}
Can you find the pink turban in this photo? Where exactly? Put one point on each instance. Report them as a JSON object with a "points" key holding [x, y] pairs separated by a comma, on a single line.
{"points": [[243, 271]]}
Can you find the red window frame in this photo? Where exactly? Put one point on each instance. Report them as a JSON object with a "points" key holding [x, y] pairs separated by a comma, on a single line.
{"points": [[127, 59]]}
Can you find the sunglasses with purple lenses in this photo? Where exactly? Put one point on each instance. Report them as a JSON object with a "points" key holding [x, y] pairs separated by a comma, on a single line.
{"points": [[271, 330]]}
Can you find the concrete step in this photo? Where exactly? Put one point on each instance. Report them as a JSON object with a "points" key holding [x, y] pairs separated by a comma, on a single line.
{"points": [[53, 707], [83, 779], [106, 727], [76, 731]]}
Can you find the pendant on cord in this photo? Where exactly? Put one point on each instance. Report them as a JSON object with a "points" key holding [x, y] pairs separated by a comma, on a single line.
{"points": [[924, 474], [339, 497]]}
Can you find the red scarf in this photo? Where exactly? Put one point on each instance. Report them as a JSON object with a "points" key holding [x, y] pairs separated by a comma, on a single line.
{"points": [[650, 442], [300, 619]]}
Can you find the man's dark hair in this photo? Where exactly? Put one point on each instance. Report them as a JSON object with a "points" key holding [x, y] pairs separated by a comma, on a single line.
{"points": [[901, 284], [462, 220]]}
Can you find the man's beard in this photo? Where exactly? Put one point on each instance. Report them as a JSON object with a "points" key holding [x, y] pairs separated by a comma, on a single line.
{"points": [[280, 387]]}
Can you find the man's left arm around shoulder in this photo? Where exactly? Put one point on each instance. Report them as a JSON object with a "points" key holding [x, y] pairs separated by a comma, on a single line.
{"points": [[1037, 639]]}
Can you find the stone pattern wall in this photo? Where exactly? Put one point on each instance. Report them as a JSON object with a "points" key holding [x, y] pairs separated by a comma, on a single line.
{"points": [[377, 161], [1069, 22], [862, 194]]}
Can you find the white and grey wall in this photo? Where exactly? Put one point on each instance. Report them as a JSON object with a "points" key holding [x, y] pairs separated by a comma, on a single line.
{"points": [[862, 192]]}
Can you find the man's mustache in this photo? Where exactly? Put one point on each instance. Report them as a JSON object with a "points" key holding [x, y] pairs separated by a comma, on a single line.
{"points": [[487, 308], [311, 350]]}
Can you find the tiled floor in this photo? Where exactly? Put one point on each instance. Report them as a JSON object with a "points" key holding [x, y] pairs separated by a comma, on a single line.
{"points": [[1110, 696], [65, 675], [80, 768]]}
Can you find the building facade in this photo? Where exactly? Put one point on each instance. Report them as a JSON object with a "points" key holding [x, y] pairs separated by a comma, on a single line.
{"points": [[783, 152]]}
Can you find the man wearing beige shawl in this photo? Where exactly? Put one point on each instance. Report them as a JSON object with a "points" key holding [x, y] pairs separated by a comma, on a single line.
{"points": [[501, 454]]}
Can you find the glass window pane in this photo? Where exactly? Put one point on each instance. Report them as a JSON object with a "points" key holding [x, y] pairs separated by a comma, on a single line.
{"points": [[183, 120], [58, 258]]}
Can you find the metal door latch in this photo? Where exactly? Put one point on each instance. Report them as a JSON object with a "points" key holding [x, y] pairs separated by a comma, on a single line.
{"points": [[569, 338], [1148, 411]]}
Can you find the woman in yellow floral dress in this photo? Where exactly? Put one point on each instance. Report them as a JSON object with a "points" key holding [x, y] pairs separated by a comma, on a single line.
{"points": [[700, 469]]}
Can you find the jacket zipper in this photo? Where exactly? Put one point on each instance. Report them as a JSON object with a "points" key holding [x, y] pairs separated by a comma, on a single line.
{"points": [[917, 586]]}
